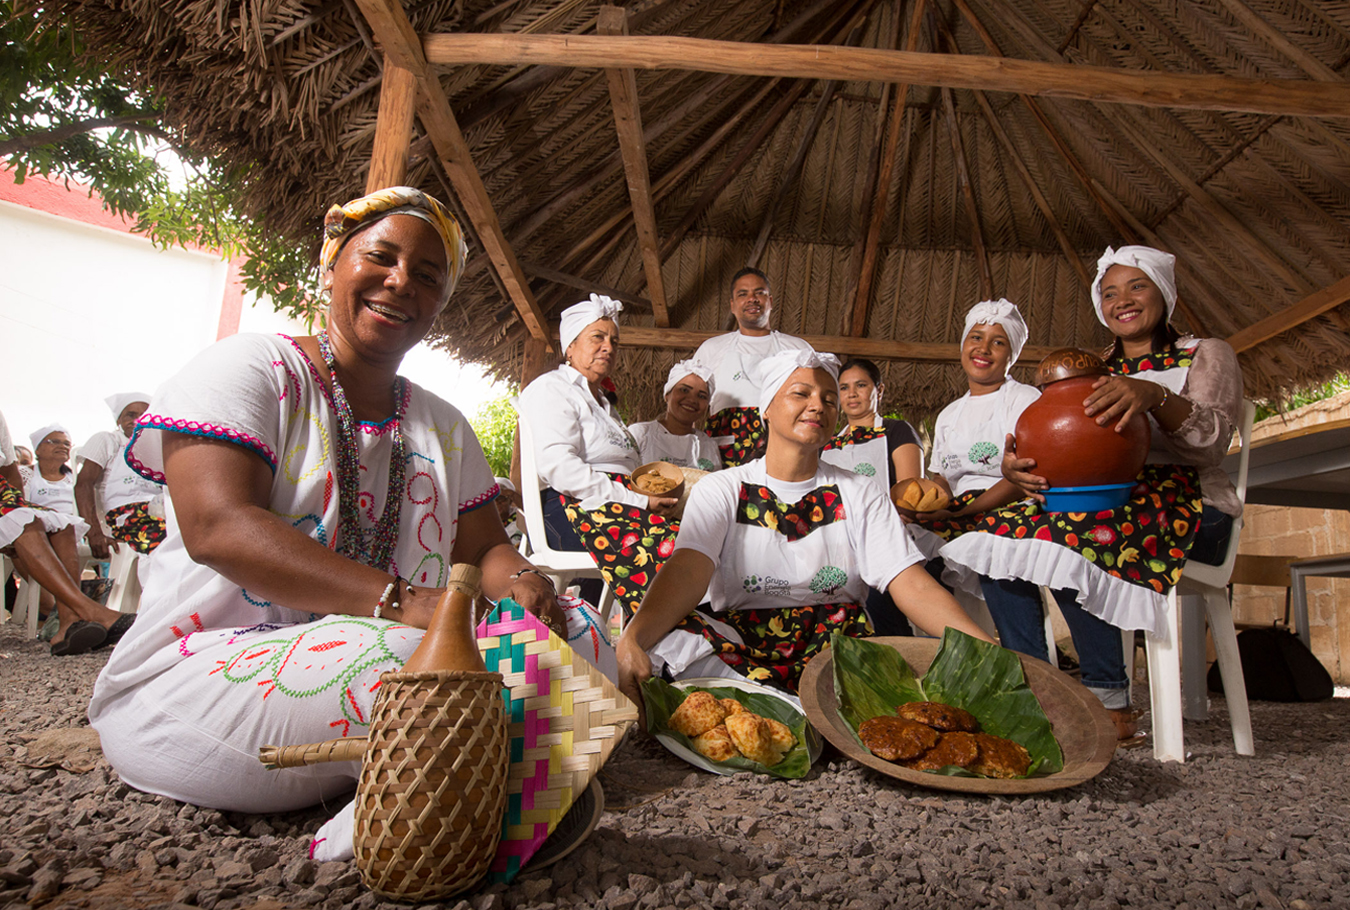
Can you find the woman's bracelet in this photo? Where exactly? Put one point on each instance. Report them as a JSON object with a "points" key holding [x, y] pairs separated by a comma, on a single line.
{"points": [[379, 606], [1159, 405], [517, 575]]}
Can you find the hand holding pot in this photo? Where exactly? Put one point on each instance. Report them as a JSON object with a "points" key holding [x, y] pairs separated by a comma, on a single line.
{"points": [[1120, 398], [1017, 471]]}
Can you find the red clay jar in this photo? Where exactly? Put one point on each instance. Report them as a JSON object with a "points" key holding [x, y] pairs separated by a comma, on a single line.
{"points": [[1070, 449]]}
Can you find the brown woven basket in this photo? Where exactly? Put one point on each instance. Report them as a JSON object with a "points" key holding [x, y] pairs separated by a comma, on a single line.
{"points": [[433, 784]]}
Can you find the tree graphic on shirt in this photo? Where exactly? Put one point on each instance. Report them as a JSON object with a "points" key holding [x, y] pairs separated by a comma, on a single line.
{"points": [[983, 453], [828, 580]]}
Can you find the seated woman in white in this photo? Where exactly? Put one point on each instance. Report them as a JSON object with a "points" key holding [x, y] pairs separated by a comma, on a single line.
{"points": [[786, 547], [676, 436], [132, 506]]}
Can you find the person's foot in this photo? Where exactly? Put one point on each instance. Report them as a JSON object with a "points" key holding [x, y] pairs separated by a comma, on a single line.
{"points": [[1126, 720], [79, 638], [117, 630]]}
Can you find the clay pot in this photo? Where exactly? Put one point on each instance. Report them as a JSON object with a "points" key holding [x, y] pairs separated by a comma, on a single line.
{"points": [[1070, 449]]}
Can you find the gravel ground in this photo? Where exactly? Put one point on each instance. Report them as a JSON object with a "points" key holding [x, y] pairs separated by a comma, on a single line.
{"points": [[1218, 831]]}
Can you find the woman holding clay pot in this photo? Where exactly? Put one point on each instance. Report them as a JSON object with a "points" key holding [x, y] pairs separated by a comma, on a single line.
{"points": [[1111, 570]]}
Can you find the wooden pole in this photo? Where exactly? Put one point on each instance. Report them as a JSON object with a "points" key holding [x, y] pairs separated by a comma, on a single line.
{"points": [[391, 27], [857, 64], [393, 128], [628, 122]]}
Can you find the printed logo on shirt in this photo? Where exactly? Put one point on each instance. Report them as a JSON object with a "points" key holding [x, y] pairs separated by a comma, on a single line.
{"points": [[951, 462], [753, 584], [983, 453], [864, 469], [619, 439], [706, 465], [828, 580], [737, 376]]}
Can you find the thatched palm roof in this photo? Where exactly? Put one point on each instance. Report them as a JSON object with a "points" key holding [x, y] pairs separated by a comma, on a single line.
{"points": [[992, 191]]}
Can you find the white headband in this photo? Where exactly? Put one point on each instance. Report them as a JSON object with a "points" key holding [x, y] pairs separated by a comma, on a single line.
{"points": [[688, 368], [1160, 267], [118, 403], [773, 372], [999, 312], [576, 317], [39, 435]]}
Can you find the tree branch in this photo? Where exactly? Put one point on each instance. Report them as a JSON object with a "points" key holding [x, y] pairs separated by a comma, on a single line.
{"points": [[57, 134]]}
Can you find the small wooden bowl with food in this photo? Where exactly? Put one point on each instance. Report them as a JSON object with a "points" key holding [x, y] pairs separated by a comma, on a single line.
{"points": [[914, 495], [658, 478]]}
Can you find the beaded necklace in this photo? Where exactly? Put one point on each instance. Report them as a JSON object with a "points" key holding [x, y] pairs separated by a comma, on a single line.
{"points": [[374, 548]]}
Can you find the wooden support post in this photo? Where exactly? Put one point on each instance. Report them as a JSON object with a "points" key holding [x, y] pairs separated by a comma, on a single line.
{"points": [[535, 363], [1109, 85], [393, 128], [628, 122], [968, 196], [391, 28]]}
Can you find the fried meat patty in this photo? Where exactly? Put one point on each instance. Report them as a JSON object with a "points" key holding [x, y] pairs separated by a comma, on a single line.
{"points": [[959, 748], [894, 738], [1000, 757], [944, 717]]}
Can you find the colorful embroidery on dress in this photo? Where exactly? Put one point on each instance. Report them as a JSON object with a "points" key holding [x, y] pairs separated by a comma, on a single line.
{"points": [[760, 508], [746, 429], [777, 643], [1172, 358]]}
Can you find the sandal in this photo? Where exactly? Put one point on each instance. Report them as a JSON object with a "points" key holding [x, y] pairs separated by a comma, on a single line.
{"points": [[1128, 734], [117, 630], [81, 638]]}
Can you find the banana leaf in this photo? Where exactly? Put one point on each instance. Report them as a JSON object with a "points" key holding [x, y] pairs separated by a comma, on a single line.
{"points": [[871, 679], [662, 699]]}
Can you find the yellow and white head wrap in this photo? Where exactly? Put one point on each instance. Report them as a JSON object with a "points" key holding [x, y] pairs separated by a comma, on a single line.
{"points": [[344, 220]]}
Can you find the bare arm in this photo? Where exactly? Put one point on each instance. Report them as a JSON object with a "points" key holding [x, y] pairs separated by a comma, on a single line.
{"points": [[482, 541], [221, 493], [12, 476], [674, 594], [929, 604], [908, 460], [85, 486]]}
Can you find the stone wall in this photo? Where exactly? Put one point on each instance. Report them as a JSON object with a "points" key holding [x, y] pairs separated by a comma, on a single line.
{"points": [[1281, 531]]}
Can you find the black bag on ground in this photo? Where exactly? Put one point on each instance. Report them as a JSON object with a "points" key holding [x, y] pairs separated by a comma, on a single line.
{"points": [[1277, 667]]}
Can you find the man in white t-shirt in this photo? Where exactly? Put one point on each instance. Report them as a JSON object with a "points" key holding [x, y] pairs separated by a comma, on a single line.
{"points": [[735, 423], [108, 490]]}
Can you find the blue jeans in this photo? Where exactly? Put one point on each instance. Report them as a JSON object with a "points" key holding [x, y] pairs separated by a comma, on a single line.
{"points": [[562, 536], [1211, 538], [1020, 619]]}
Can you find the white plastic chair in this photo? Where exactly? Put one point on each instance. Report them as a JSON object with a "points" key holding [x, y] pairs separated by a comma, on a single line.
{"points": [[123, 569], [1183, 643], [560, 565]]}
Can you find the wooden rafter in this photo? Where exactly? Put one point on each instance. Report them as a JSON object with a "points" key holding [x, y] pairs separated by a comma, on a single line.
{"points": [[393, 128], [874, 201], [390, 25], [1084, 83], [583, 284], [1315, 304], [628, 122], [877, 348], [1315, 68], [968, 196]]}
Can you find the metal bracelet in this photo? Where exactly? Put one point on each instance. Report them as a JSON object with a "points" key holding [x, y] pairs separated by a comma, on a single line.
{"points": [[517, 575]]}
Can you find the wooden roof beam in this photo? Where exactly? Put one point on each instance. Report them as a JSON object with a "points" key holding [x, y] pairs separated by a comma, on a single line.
{"points": [[1305, 61], [1315, 304], [394, 32], [393, 128], [968, 196], [874, 199], [628, 123], [858, 64], [877, 348]]}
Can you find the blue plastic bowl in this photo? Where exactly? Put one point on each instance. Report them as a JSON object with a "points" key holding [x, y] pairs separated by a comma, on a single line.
{"points": [[1088, 499]]}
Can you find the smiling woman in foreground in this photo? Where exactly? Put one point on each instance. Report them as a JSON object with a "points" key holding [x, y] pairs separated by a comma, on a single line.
{"points": [[789, 545], [317, 502]]}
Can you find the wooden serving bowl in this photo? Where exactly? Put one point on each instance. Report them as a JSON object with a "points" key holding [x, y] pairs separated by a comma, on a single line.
{"points": [[663, 469], [1086, 734]]}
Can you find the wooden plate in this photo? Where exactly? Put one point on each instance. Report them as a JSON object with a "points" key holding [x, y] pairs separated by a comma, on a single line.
{"points": [[1086, 735]]}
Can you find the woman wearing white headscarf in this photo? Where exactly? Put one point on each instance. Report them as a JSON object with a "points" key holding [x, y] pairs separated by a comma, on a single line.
{"points": [[1111, 570], [105, 477], [785, 546], [50, 483], [583, 453], [676, 436]]}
